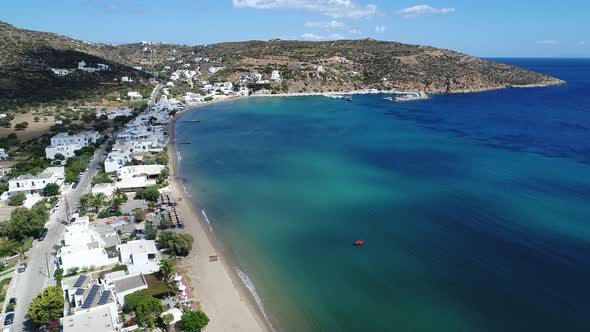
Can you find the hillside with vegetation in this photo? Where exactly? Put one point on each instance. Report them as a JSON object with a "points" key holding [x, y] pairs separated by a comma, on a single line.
{"points": [[27, 56], [26, 78]]}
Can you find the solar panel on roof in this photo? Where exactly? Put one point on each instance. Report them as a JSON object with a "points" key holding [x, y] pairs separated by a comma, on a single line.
{"points": [[90, 297], [79, 291], [104, 298], [80, 281]]}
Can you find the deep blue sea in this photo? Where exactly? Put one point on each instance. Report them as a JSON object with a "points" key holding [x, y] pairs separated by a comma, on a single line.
{"points": [[475, 208]]}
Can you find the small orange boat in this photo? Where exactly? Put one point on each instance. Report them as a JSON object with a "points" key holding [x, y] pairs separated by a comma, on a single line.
{"points": [[359, 243]]}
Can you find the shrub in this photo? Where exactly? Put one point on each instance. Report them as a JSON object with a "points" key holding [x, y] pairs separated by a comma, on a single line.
{"points": [[17, 200], [51, 189], [193, 321], [178, 243], [149, 194]]}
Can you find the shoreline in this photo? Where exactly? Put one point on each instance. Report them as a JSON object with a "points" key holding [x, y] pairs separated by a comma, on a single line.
{"points": [[217, 286], [237, 309]]}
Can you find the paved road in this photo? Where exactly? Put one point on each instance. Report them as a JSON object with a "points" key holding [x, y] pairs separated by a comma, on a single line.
{"points": [[41, 265], [25, 286]]}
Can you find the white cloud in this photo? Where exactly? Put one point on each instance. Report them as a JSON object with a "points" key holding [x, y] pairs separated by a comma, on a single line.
{"points": [[548, 42], [330, 8], [418, 10], [326, 25], [331, 25], [315, 36], [380, 28]]}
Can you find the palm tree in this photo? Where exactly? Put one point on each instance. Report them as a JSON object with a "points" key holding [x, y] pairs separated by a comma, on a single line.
{"points": [[167, 268], [119, 193], [86, 201], [98, 201]]}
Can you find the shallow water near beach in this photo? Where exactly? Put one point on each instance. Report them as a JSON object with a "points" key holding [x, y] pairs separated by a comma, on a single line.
{"points": [[475, 208]]}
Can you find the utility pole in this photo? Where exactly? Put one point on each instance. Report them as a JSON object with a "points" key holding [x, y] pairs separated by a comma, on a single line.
{"points": [[67, 204], [47, 263]]}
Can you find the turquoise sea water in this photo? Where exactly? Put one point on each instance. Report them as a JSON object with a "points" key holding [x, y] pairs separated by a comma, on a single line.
{"points": [[475, 208]]}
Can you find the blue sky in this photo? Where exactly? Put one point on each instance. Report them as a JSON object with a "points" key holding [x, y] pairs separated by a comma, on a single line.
{"points": [[510, 28]]}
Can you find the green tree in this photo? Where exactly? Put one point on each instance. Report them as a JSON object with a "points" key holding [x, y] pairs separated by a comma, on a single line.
{"points": [[102, 177], [3, 188], [148, 312], [71, 176], [150, 194], [59, 156], [151, 232], [119, 193], [167, 268], [133, 300], [17, 199], [21, 126], [167, 319], [139, 215], [179, 244], [47, 306], [193, 321], [51, 189], [86, 201], [99, 200]]}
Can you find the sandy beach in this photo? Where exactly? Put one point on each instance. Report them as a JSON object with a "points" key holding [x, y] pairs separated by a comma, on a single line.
{"points": [[216, 285]]}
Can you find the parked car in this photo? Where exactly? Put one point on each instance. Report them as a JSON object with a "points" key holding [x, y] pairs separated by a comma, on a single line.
{"points": [[43, 234], [9, 319], [22, 268], [11, 305]]}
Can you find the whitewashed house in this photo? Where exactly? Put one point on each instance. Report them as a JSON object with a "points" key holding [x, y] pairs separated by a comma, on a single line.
{"points": [[92, 306], [3, 154], [275, 76], [126, 79], [84, 138], [116, 113], [84, 247], [140, 256], [31, 185], [66, 144], [61, 71], [66, 150], [134, 94], [115, 160], [122, 283], [214, 70], [139, 170]]}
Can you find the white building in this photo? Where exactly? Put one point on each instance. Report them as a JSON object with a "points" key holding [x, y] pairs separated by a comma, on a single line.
{"points": [[84, 247], [3, 154], [99, 66], [68, 150], [140, 256], [139, 170], [34, 184], [116, 113], [126, 79], [66, 144], [84, 138], [99, 319], [134, 94], [61, 71], [275, 76], [214, 70], [123, 284], [91, 306], [115, 160]]}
